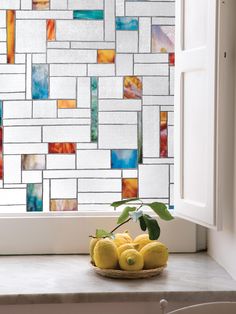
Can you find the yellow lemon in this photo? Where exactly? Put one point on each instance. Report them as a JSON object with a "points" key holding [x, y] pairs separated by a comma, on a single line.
{"points": [[142, 240], [92, 244], [131, 260], [122, 238], [155, 255], [105, 254], [125, 247]]}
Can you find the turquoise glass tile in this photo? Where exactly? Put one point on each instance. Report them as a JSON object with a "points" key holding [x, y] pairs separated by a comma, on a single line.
{"points": [[34, 197], [40, 81], [124, 158], [0, 112], [94, 108], [88, 14], [126, 24]]}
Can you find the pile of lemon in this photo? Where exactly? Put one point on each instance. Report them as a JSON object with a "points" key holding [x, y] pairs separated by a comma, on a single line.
{"points": [[124, 253]]}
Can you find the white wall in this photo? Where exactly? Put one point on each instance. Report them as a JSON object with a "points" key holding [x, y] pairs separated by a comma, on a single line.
{"points": [[222, 244]]}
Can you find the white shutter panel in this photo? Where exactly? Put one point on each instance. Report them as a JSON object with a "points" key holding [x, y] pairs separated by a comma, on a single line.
{"points": [[195, 110]]}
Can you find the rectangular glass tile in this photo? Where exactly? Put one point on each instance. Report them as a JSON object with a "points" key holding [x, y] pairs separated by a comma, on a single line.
{"points": [[124, 158], [163, 38], [88, 14], [40, 81], [51, 30], [1, 157], [34, 197], [94, 108], [61, 148], [40, 4], [133, 87], [1, 113], [63, 205], [106, 56], [126, 24], [11, 36], [33, 162], [140, 139], [172, 58], [129, 188], [163, 135], [66, 104]]}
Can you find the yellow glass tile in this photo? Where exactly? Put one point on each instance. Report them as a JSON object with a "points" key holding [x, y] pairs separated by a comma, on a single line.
{"points": [[129, 188], [106, 56], [11, 36], [66, 104]]}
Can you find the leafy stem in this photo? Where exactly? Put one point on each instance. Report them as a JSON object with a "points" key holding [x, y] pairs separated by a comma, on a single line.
{"points": [[121, 224]]}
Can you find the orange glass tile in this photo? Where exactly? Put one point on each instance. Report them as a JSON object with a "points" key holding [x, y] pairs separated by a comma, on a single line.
{"points": [[61, 148], [51, 30], [106, 56], [66, 104], [40, 4], [11, 36], [133, 87], [129, 188], [63, 205], [163, 135]]}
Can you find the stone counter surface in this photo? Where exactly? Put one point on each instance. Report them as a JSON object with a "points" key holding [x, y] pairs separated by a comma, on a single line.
{"points": [[70, 279]]}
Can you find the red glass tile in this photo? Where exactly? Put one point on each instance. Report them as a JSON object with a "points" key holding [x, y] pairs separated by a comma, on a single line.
{"points": [[172, 58], [163, 135], [61, 148]]}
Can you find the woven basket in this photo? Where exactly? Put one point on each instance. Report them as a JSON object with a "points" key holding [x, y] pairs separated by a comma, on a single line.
{"points": [[125, 274]]}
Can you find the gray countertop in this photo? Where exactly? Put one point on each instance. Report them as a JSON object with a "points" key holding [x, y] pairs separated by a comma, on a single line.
{"points": [[70, 279]]}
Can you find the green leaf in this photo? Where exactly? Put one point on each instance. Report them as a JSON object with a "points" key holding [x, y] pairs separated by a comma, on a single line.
{"points": [[142, 223], [136, 215], [100, 233], [119, 203], [125, 214], [161, 210], [152, 226]]}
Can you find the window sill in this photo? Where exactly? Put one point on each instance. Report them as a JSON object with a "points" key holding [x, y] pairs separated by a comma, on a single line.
{"points": [[70, 279]]}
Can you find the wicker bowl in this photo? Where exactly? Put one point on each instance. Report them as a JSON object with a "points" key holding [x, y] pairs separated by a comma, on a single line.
{"points": [[124, 274]]}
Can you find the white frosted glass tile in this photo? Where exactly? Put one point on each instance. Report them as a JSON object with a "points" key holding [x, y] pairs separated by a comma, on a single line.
{"points": [[39, 58], [12, 83], [127, 41], [58, 44], [46, 121], [76, 30], [99, 185], [157, 161], [93, 208], [117, 117], [19, 134], [58, 4], [44, 14], [9, 4], [85, 4], [3, 48], [93, 159], [172, 80], [33, 176], [31, 148], [3, 34], [82, 174], [153, 181], [144, 8], [118, 136], [170, 141], [129, 173], [144, 34], [13, 209], [28, 76], [26, 4], [15, 186], [44, 109], [71, 56], [120, 105], [26, 41], [170, 117], [12, 168], [12, 96], [163, 21], [2, 18], [151, 58], [63, 87], [75, 113], [66, 133], [46, 195], [17, 109], [110, 87], [109, 19], [60, 161], [120, 7], [68, 69], [63, 188], [101, 70], [87, 145], [171, 173], [19, 58], [151, 131], [83, 92], [93, 45], [12, 196], [12, 69], [98, 198], [155, 86], [158, 100], [124, 64], [151, 69]]}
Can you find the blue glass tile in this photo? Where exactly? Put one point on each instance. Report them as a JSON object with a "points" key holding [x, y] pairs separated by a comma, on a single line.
{"points": [[126, 24], [40, 81], [124, 158], [34, 197], [88, 14]]}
